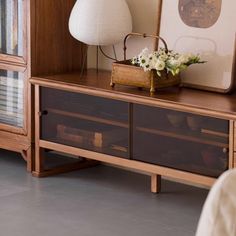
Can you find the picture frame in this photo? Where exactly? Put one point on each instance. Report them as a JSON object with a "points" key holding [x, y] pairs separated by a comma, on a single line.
{"points": [[206, 28]]}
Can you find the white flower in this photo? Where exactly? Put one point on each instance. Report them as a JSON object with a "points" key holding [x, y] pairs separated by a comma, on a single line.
{"points": [[163, 57], [159, 60], [174, 62], [153, 63], [171, 54], [160, 65], [134, 60], [183, 59], [144, 62]]}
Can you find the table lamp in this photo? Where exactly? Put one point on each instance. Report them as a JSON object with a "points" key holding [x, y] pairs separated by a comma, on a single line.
{"points": [[100, 22]]}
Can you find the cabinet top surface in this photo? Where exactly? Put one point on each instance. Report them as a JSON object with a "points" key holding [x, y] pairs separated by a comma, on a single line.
{"points": [[191, 100]]}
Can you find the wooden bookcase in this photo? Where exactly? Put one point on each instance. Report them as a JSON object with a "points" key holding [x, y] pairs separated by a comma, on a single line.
{"points": [[177, 132], [30, 46]]}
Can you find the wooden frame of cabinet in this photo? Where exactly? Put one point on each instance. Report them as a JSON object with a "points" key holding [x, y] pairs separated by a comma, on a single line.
{"points": [[21, 60], [234, 164], [186, 100], [14, 138], [23, 70], [39, 57]]}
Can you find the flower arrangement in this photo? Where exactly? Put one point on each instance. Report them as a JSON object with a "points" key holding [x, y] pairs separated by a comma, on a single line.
{"points": [[165, 60]]}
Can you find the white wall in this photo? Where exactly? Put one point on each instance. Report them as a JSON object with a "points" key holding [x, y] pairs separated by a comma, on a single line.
{"points": [[144, 14]]}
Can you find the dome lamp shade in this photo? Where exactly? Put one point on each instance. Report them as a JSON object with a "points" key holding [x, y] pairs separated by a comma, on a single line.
{"points": [[100, 22]]}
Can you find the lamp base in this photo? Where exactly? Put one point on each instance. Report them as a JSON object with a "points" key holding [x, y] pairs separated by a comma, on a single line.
{"points": [[85, 56]]}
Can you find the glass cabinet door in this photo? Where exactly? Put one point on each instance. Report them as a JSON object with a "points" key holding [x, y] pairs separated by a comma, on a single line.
{"points": [[11, 27], [180, 140], [84, 121], [11, 98]]}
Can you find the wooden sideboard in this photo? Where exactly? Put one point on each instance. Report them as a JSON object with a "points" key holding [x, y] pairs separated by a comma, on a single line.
{"points": [[177, 132]]}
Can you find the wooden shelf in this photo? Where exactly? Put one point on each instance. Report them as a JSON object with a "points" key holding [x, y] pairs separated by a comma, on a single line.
{"points": [[88, 117], [112, 148], [198, 138]]}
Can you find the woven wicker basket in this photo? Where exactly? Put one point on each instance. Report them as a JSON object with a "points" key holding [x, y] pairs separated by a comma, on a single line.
{"points": [[124, 73]]}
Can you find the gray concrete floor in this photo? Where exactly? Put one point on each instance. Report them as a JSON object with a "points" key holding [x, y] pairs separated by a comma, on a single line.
{"points": [[100, 201]]}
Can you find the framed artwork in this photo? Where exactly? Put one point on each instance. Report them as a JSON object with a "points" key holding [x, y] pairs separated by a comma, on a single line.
{"points": [[207, 28]]}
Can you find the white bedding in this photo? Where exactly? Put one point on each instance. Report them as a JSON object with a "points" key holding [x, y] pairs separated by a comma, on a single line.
{"points": [[218, 217]]}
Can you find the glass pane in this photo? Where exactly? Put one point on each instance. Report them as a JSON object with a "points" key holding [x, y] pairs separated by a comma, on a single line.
{"points": [[84, 121], [11, 97], [181, 140], [11, 27]]}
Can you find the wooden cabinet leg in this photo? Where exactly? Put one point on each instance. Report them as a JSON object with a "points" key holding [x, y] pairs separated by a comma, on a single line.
{"points": [[155, 183], [39, 161], [29, 160], [27, 155]]}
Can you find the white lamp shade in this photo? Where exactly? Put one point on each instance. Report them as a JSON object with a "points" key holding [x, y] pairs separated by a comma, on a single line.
{"points": [[100, 22]]}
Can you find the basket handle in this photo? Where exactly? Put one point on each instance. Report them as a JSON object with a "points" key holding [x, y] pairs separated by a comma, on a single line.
{"points": [[144, 36]]}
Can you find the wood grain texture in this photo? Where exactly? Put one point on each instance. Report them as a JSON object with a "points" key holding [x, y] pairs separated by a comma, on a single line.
{"points": [[234, 165], [155, 183], [48, 48], [10, 128], [234, 136], [182, 99], [89, 118], [13, 59], [53, 49], [132, 164], [12, 67], [159, 7], [66, 168], [39, 158], [186, 137], [231, 143], [15, 138], [13, 141]]}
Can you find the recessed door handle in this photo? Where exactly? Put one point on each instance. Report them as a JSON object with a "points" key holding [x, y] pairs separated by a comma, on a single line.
{"points": [[43, 113], [225, 150]]}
